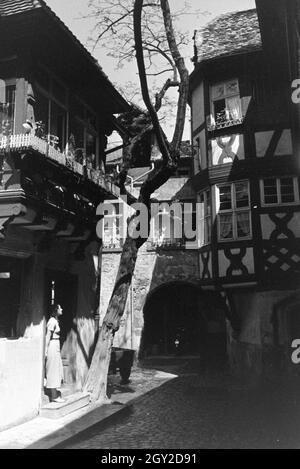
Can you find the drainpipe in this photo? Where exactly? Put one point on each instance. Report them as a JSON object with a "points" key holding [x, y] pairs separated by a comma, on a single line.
{"points": [[131, 312], [144, 174], [98, 290]]}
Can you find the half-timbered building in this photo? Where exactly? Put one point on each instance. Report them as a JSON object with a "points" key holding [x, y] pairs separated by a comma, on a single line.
{"points": [[247, 179]]}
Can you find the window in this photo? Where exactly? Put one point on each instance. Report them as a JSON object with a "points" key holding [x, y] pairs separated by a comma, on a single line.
{"points": [[69, 122], [83, 131], [163, 226], [204, 218], [7, 106], [233, 210], [114, 224], [279, 190], [167, 223], [225, 105], [50, 108]]}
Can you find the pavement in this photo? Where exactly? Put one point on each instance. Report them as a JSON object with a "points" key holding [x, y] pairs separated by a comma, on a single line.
{"points": [[174, 403], [202, 408], [44, 433]]}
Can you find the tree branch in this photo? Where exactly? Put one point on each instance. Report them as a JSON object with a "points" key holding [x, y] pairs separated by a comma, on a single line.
{"points": [[159, 96], [138, 6], [119, 20], [184, 76]]}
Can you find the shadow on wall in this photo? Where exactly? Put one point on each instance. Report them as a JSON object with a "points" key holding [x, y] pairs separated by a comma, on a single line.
{"points": [[78, 351]]}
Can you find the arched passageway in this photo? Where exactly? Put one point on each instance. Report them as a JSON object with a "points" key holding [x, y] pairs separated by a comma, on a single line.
{"points": [[180, 319]]}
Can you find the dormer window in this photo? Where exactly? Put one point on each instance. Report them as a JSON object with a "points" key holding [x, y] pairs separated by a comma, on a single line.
{"points": [[225, 105]]}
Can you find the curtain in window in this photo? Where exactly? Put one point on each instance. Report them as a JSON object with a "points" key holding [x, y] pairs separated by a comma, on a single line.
{"points": [[226, 226], [243, 224], [2, 91], [233, 106]]}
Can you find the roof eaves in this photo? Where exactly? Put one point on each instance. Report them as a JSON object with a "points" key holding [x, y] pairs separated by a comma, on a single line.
{"points": [[18, 7]]}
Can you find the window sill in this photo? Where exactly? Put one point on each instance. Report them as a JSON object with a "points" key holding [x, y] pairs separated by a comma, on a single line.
{"points": [[225, 125], [279, 205], [13, 339], [235, 240]]}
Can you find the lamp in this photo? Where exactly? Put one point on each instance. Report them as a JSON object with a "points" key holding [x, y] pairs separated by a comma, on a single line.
{"points": [[28, 126]]}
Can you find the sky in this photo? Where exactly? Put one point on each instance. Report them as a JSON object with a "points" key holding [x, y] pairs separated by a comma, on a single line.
{"points": [[72, 13]]}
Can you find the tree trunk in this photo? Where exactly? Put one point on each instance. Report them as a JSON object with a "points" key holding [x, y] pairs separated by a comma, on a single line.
{"points": [[96, 382]]}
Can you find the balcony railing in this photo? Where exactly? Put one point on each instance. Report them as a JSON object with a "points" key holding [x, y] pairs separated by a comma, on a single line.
{"points": [[166, 243], [223, 124], [31, 142]]}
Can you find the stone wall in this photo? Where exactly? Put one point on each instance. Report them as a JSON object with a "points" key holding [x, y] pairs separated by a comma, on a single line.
{"points": [[153, 269], [254, 351]]}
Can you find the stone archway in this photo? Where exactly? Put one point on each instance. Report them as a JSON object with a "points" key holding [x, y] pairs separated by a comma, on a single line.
{"points": [[180, 319]]}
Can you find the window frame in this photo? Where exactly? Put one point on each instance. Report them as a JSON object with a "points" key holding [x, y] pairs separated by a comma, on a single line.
{"points": [[11, 82], [278, 191], [51, 98], [207, 216], [82, 120], [214, 125], [234, 210]]}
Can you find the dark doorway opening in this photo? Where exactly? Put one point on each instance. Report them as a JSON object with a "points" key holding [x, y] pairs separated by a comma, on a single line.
{"points": [[10, 293], [172, 325], [61, 288], [181, 320]]}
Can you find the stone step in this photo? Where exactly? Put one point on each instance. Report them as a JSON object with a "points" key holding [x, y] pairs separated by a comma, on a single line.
{"points": [[56, 410], [67, 390]]}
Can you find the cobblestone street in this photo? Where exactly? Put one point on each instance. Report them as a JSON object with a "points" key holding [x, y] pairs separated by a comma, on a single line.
{"points": [[202, 410]]}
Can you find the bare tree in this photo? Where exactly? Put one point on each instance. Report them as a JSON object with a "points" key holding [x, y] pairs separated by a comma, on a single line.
{"points": [[145, 123], [113, 33]]}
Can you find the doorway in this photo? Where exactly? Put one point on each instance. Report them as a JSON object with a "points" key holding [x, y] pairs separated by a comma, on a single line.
{"points": [[180, 320], [172, 325], [10, 293], [61, 288]]}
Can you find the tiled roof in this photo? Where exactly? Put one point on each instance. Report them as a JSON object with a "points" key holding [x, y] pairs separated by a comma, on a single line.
{"points": [[12, 7], [228, 34], [15, 7]]}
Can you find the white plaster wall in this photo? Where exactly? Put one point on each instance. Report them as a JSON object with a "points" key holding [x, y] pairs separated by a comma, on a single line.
{"points": [[268, 226], [22, 360], [209, 264], [284, 146], [247, 261], [20, 380], [198, 115], [200, 157], [230, 146]]}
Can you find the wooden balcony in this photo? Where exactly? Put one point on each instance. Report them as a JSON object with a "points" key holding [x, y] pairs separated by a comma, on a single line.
{"points": [[223, 124], [24, 142]]}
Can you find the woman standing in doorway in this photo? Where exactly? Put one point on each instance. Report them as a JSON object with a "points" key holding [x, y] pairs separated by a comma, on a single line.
{"points": [[54, 366]]}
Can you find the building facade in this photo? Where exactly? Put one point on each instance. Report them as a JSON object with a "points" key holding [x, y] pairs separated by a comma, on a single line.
{"points": [[167, 311], [247, 178], [57, 108]]}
